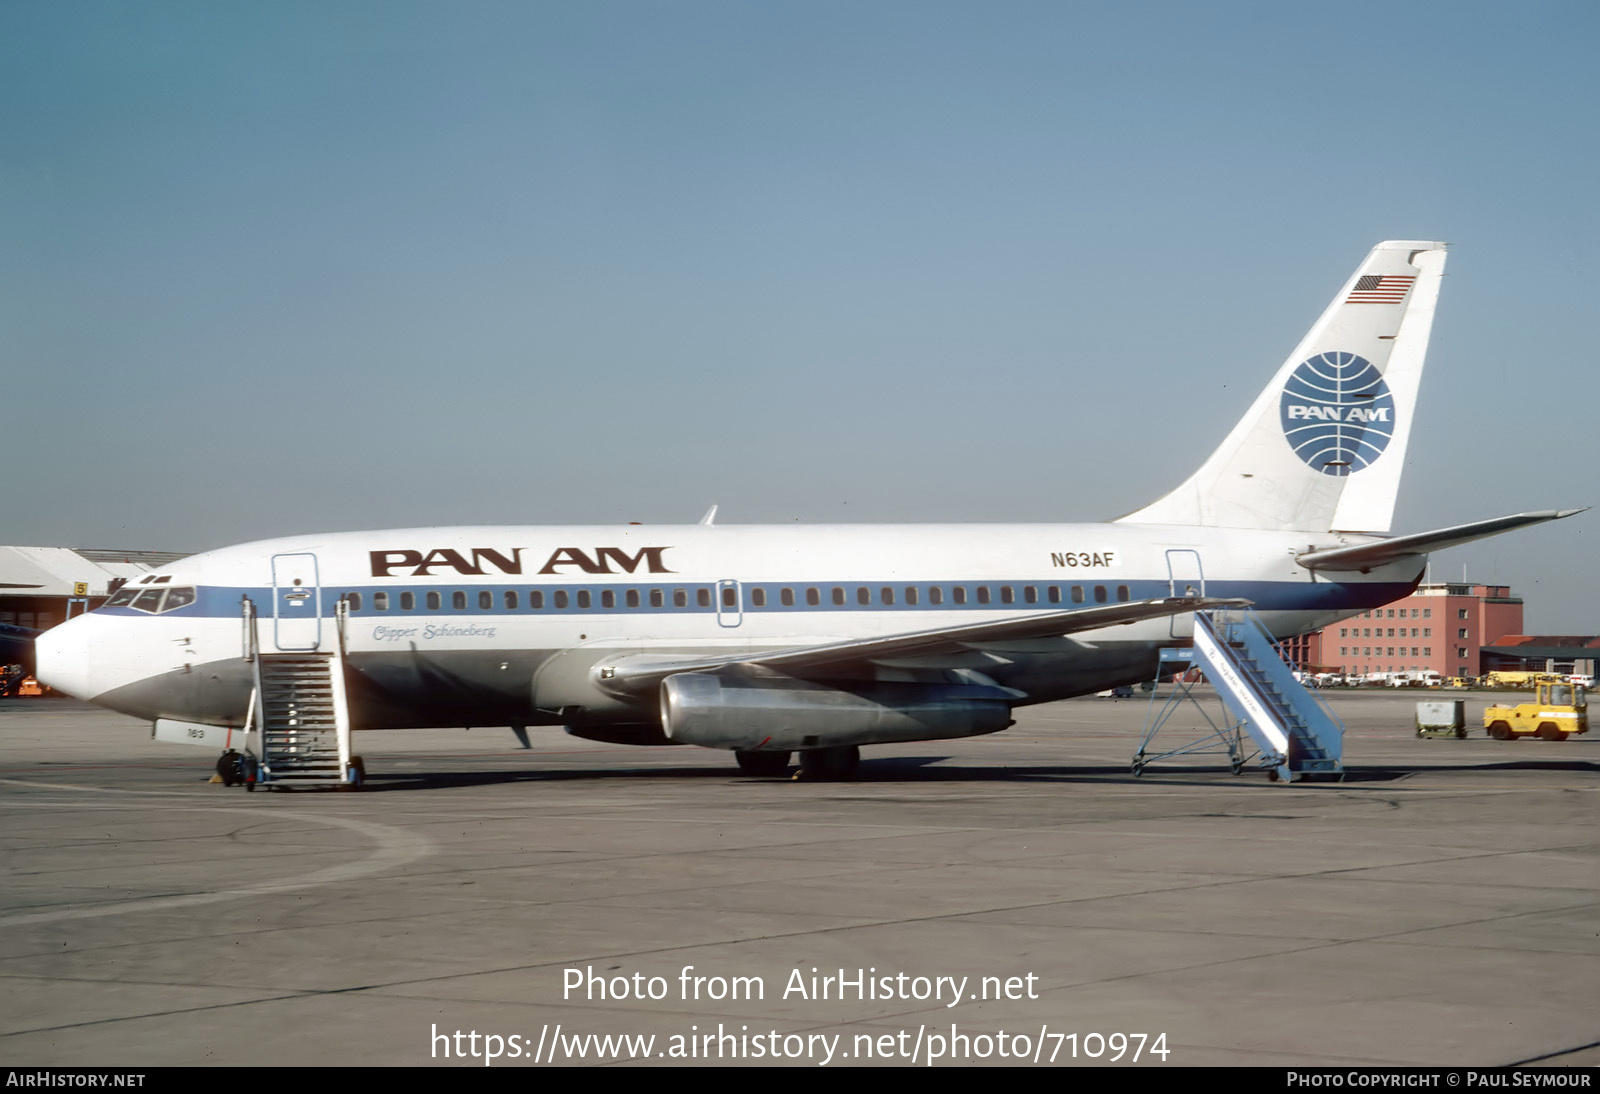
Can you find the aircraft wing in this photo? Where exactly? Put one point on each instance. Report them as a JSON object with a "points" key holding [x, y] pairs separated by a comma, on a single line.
{"points": [[1366, 556], [641, 672]]}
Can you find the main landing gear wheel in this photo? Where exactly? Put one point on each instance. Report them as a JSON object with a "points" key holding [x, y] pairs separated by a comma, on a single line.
{"points": [[764, 764], [830, 764]]}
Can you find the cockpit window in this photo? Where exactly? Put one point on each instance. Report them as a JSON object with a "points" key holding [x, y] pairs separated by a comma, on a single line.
{"points": [[155, 600], [149, 601]]}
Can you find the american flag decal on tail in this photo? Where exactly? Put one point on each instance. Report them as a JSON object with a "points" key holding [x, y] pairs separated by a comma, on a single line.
{"points": [[1379, 289]]}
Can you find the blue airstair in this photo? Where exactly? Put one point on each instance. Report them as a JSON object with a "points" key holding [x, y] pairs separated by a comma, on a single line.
{"points": [[1296, 735]]}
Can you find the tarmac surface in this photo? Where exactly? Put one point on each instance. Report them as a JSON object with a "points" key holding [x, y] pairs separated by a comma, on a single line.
{"points": [[1438, 907]]}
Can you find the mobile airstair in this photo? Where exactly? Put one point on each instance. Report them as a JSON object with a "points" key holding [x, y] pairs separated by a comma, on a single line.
{"points": [[298, 729], [1295, 734]]}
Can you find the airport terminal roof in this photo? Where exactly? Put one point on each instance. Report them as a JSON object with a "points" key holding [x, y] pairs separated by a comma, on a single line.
{"points": [[57, 571]]}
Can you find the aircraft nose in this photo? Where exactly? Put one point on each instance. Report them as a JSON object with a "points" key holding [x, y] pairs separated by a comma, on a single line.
{"points": [[63, 659]]}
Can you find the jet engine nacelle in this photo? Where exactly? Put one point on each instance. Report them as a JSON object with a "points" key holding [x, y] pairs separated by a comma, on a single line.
{"points": [[776, 713]]}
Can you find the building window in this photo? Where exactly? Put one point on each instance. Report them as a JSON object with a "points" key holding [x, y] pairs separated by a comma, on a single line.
{"points": [[1427, 632], [1461, 613], [1427, 613], [1461, 651], [1461, 632]]}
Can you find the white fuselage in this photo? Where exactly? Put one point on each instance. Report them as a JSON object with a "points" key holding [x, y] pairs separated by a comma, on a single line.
{"points": [[501, 625]]}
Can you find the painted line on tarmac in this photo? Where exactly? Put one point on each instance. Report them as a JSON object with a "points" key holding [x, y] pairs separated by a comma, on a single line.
{"points": [[394, 847]]}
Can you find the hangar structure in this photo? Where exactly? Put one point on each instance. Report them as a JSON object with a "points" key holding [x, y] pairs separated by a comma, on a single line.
{"points": [[43, 586]]}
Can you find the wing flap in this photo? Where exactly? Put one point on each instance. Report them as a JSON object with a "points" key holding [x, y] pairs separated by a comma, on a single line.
{"points": [[632, 675]]}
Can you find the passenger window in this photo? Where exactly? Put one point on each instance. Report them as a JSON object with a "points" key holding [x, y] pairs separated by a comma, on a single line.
{"points": [[911, 594], [680, 598], [1030, 594], [863, 595], [352, 601], [786, 597], [632, 598], [511, 600], [838, 595], [380, 602], [730, 597], [559, 599], [958, 594], [408, 601], [434, 602], [583, 598], [886, 594], [702, 597], [758, 597], [1099, 594], [458, 601], [1122, 592], [983, 594], [1008, 595], [486, 600], [608, 598], [658, 599], [1053, 593], [149, 600], [813, 597], [936, 594], [536, 599], [1077, 594]]}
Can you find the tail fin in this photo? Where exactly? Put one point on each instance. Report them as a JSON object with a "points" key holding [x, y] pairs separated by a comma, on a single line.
{"points": [[1322, 447]]}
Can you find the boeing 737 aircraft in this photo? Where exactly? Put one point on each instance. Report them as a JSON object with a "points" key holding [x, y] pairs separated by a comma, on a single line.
{"points": [[768, 641]]}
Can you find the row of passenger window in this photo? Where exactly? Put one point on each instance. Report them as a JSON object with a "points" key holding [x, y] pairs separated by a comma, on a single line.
{"points": [[561, 599]]}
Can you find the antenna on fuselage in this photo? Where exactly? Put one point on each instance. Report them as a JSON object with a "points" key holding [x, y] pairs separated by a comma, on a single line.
{"points": [[710, 518]]}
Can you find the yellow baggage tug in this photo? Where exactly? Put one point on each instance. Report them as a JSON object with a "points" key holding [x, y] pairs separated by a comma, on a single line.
{"points": [[1561, 709]]}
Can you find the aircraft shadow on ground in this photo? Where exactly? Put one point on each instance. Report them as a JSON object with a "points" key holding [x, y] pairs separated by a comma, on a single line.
{"points": [[920, 769]]}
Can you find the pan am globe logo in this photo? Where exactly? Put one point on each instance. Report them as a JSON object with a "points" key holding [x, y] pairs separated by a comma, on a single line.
{"points": [[1337, 413]]}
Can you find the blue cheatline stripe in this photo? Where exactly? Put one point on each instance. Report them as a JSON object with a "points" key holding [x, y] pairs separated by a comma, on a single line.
{"points": [[223, 601]]}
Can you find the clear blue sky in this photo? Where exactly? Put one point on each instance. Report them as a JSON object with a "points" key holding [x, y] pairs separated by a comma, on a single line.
{"points": [[285, 267]]}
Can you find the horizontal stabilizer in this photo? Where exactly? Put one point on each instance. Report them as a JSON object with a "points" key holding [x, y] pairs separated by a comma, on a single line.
{"points": [[641, 672], [1366, 556]]}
